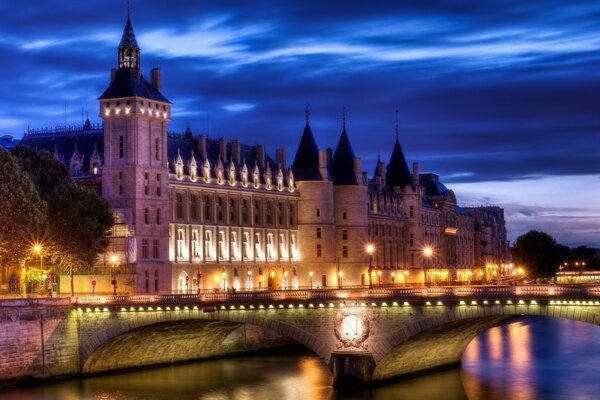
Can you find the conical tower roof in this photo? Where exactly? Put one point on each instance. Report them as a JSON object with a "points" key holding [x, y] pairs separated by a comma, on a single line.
{"points": [[306, 162], [397, 172], [342, 163]]}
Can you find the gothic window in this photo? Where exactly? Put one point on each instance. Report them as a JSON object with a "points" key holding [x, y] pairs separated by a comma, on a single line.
{"points": [[158, 216], [121, 147], [345, 251], [344, 234], [270, 247], [222, 246], [194, 207], [246, 246], [155, 248], [179, 206], [195, 244], [144, 248], [318, 233], [282, 252], [293, 248], [180, 242], [319, 249], [208, 245], [258, 254]]}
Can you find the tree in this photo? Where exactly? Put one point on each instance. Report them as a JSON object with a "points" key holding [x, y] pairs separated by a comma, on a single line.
{"points": [[79, 224], [538, 253], [22, 213], [44, 170]]}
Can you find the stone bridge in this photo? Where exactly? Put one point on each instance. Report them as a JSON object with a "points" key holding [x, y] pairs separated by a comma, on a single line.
{"points": [[363, 335]]}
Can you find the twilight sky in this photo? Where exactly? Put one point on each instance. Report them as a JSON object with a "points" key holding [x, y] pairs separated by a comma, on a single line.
{"points": [[500, 98]]}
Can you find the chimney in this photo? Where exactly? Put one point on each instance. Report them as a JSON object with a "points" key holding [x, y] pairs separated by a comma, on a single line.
{"points": [[329, 151], [365, 177], [260, 154], [416, 173], [358, 170], [113, 74], [281, 159], [323, 163], [223, 149], [235, 149], [202, 146], [156, 79]]}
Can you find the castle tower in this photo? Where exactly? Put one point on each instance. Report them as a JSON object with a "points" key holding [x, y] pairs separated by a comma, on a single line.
{"points": [[316, 221], [135, 174], [350, 210], [398, 180]]}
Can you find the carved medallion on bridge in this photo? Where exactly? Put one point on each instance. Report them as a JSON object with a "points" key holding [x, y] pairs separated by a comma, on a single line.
{"points": [[351, 328]]}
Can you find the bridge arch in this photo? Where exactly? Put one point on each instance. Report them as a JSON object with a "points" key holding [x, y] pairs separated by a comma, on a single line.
{"points": [[95, 337], [439, 341]]}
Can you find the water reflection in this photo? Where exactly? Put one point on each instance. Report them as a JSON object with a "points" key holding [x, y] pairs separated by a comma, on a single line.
{"points": [[525, 358]]}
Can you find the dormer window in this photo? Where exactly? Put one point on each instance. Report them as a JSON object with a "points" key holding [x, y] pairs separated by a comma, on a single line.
{"points": [[95, 169]]}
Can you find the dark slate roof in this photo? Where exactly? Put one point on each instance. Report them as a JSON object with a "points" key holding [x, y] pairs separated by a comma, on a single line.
{"points": [[64, 142], [306, 162], [461, 211], [128, 38], [124, 86], [342, 163], [433, 187], [398, 173], [180, 144]]}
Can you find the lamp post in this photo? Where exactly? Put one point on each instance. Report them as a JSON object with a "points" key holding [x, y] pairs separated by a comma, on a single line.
{"points": [[224, 280], [379, 277], [38, 249], [341, 276], [427, 252], [198, 275], [310, 274], [370, 250], [115, 263], [394, 278]]}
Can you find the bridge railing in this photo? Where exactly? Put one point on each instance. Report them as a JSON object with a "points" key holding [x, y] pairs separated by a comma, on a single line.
{"points": [[263, 296]]}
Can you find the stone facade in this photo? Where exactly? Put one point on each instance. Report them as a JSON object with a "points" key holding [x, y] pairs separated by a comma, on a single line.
{"points": [[198, 213]]}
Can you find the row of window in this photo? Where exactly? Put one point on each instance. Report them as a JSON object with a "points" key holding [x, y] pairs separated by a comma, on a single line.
{"points": [[235, 246], [220, 209]]}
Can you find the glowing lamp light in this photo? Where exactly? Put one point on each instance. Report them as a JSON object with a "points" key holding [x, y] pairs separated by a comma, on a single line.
{"points": [[370, 248], [427, 251]]}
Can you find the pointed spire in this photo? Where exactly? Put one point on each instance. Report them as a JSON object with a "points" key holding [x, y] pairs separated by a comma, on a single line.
{"points": [[397, 172], [397, 140], [306, 161], [128, 38], [129, 50], [342, 163], [188, 131], [307, 111]]}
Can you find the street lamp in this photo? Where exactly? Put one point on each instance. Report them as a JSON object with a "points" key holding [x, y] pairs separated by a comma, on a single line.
{"points": [[379, 277], [115, 263], [38, 249], [198, 275], [427, 252], [224, 280], [341, 275], [310, 274], [370, 250]]}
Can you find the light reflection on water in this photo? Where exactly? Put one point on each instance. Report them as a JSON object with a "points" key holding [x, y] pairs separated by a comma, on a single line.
{"points": [[525, 358]]}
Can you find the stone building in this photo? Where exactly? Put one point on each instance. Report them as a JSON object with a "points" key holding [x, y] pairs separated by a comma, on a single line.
{"points": [[193, 211]]}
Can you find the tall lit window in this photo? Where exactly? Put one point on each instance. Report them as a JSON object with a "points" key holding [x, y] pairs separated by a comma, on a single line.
{"points": [[222, 246], [194, 207], [270, 247], [208, 245], [258, 253], [234, 247], [180, 242], [282, 252], [246, 246], [195, 244], [293, 248]]}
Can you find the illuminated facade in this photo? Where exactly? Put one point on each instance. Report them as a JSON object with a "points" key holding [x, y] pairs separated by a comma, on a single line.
{"points": [[191, 210]]}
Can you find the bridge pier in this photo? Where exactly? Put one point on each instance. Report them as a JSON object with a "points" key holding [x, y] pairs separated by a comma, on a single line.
{"points": [[352, 368]]}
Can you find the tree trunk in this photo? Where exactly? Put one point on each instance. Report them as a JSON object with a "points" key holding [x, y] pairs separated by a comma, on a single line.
{"points": [[72, 285]]}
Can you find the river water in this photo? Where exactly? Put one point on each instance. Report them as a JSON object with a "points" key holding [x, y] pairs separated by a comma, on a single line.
{"points": [[524, 358]]}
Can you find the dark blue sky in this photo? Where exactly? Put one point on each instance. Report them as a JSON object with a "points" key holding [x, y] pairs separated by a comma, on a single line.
{"points": [[501, 98]]}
